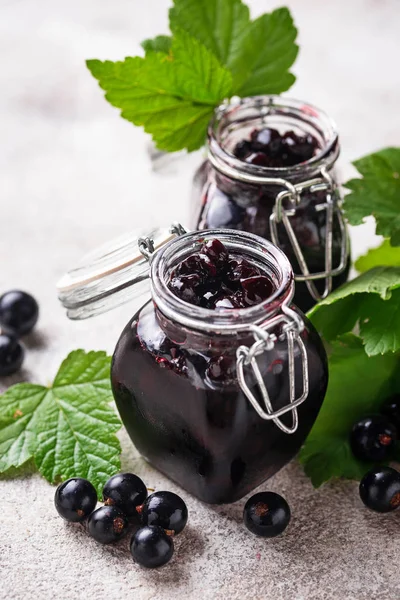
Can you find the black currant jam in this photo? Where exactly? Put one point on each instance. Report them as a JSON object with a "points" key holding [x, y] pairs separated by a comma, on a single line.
{"points": [[175, 371], [214, 279], [256, 150]]}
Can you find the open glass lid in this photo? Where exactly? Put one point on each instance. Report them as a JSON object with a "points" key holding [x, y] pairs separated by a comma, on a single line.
{"points": [[114, 274]]}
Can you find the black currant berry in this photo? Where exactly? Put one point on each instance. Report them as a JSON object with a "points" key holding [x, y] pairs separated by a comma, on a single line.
{"points": [[11, 355], [107, 524], [216, 252], [151, 547], [126, 491], [243, 149], [391, 409], [380, 489], [75, 499], [166, 510], [19, 313], [266, 514], [373, 438]]}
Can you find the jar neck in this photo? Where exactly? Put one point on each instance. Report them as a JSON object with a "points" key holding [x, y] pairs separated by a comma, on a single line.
{"points": [[234, 121], [187, 319]]}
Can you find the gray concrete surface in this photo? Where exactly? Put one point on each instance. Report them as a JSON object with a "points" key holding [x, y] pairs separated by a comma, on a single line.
{"points": [[73, 175]]}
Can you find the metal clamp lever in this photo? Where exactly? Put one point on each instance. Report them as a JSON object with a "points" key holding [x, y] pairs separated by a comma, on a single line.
{"points": [[331, 206], [146, 244], [265, 341]]}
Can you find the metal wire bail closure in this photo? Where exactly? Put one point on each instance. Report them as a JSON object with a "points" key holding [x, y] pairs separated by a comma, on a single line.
{"points": [[265, 341], [146, 244], [332, 209]]}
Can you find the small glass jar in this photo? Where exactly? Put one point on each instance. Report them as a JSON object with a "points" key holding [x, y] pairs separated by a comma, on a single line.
{"points": [[218, 400], [296, 207]]}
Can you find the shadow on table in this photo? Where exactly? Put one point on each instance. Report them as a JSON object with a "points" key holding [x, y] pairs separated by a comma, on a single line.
{"points": [[23, 376], [19, 473], [35, 341], [319, 520], [178, 569]]}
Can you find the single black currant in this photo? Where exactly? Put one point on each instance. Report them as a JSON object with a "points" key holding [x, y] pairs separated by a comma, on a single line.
{"points": [[75, 499], [152, 547], [11, 355], [19, 313], [126, 491], [166, 510], [380, 489], [107, 524], [216, 252], [391, 409], [243, 149], [373, 438], [266, 514]]}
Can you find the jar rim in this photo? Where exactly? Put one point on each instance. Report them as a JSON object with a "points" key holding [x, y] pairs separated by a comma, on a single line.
{"points": [[232, 166], [226, 321]]}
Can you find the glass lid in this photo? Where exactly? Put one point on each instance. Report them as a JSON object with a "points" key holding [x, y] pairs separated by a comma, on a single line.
{"points": [[114, 274]]}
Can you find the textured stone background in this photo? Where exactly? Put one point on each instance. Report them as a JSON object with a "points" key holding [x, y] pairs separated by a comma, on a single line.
{"points": [[73, 175]]}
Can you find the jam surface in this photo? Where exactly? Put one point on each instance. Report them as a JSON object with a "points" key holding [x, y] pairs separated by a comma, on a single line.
{"points": [[268, 148], [214, 279]]}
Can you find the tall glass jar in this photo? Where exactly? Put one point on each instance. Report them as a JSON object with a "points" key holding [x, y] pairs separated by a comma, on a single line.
{"points": [[218, 400], [297, 207]]}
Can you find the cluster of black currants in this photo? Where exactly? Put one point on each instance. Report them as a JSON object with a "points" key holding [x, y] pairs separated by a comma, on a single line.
{"points": [[157, 517], [373, 439], [19, 313]]}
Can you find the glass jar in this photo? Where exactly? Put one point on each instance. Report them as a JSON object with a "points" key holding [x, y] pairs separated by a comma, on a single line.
{"points": [[218, 400], [296, 207]]}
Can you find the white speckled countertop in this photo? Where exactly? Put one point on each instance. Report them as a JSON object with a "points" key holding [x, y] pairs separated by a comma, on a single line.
{"points": [[73, 175]]}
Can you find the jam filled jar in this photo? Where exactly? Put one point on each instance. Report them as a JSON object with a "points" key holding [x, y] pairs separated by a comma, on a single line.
{"points": [[218, 378], [269, 171]]}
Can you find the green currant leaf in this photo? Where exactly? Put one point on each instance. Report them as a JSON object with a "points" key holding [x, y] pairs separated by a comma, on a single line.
{"points": [[215, 52], [20, 408], [172, 96], [372, 302], [259, 53], [380, 324], [69, 429], [268, 50], [384, 255], [358, 385], [377, 193], [161, 43], [218, 24]]}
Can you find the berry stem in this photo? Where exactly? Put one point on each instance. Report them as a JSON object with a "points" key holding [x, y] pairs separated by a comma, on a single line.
{"points": [[170, 532]]}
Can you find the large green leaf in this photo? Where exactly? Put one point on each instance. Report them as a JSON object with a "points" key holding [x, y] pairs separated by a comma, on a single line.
{"points": [[377, 193], [385, 255], [380, 323], [357, 387], [259, 53], [371, 301], [218, 24], [172, 96], [268, 50], [69, 429], [20, 408]]}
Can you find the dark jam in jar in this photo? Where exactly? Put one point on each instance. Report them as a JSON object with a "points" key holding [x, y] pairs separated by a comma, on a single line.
{"points": [[175, 367], [257, 148], [214, 279], [268, 148]]}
